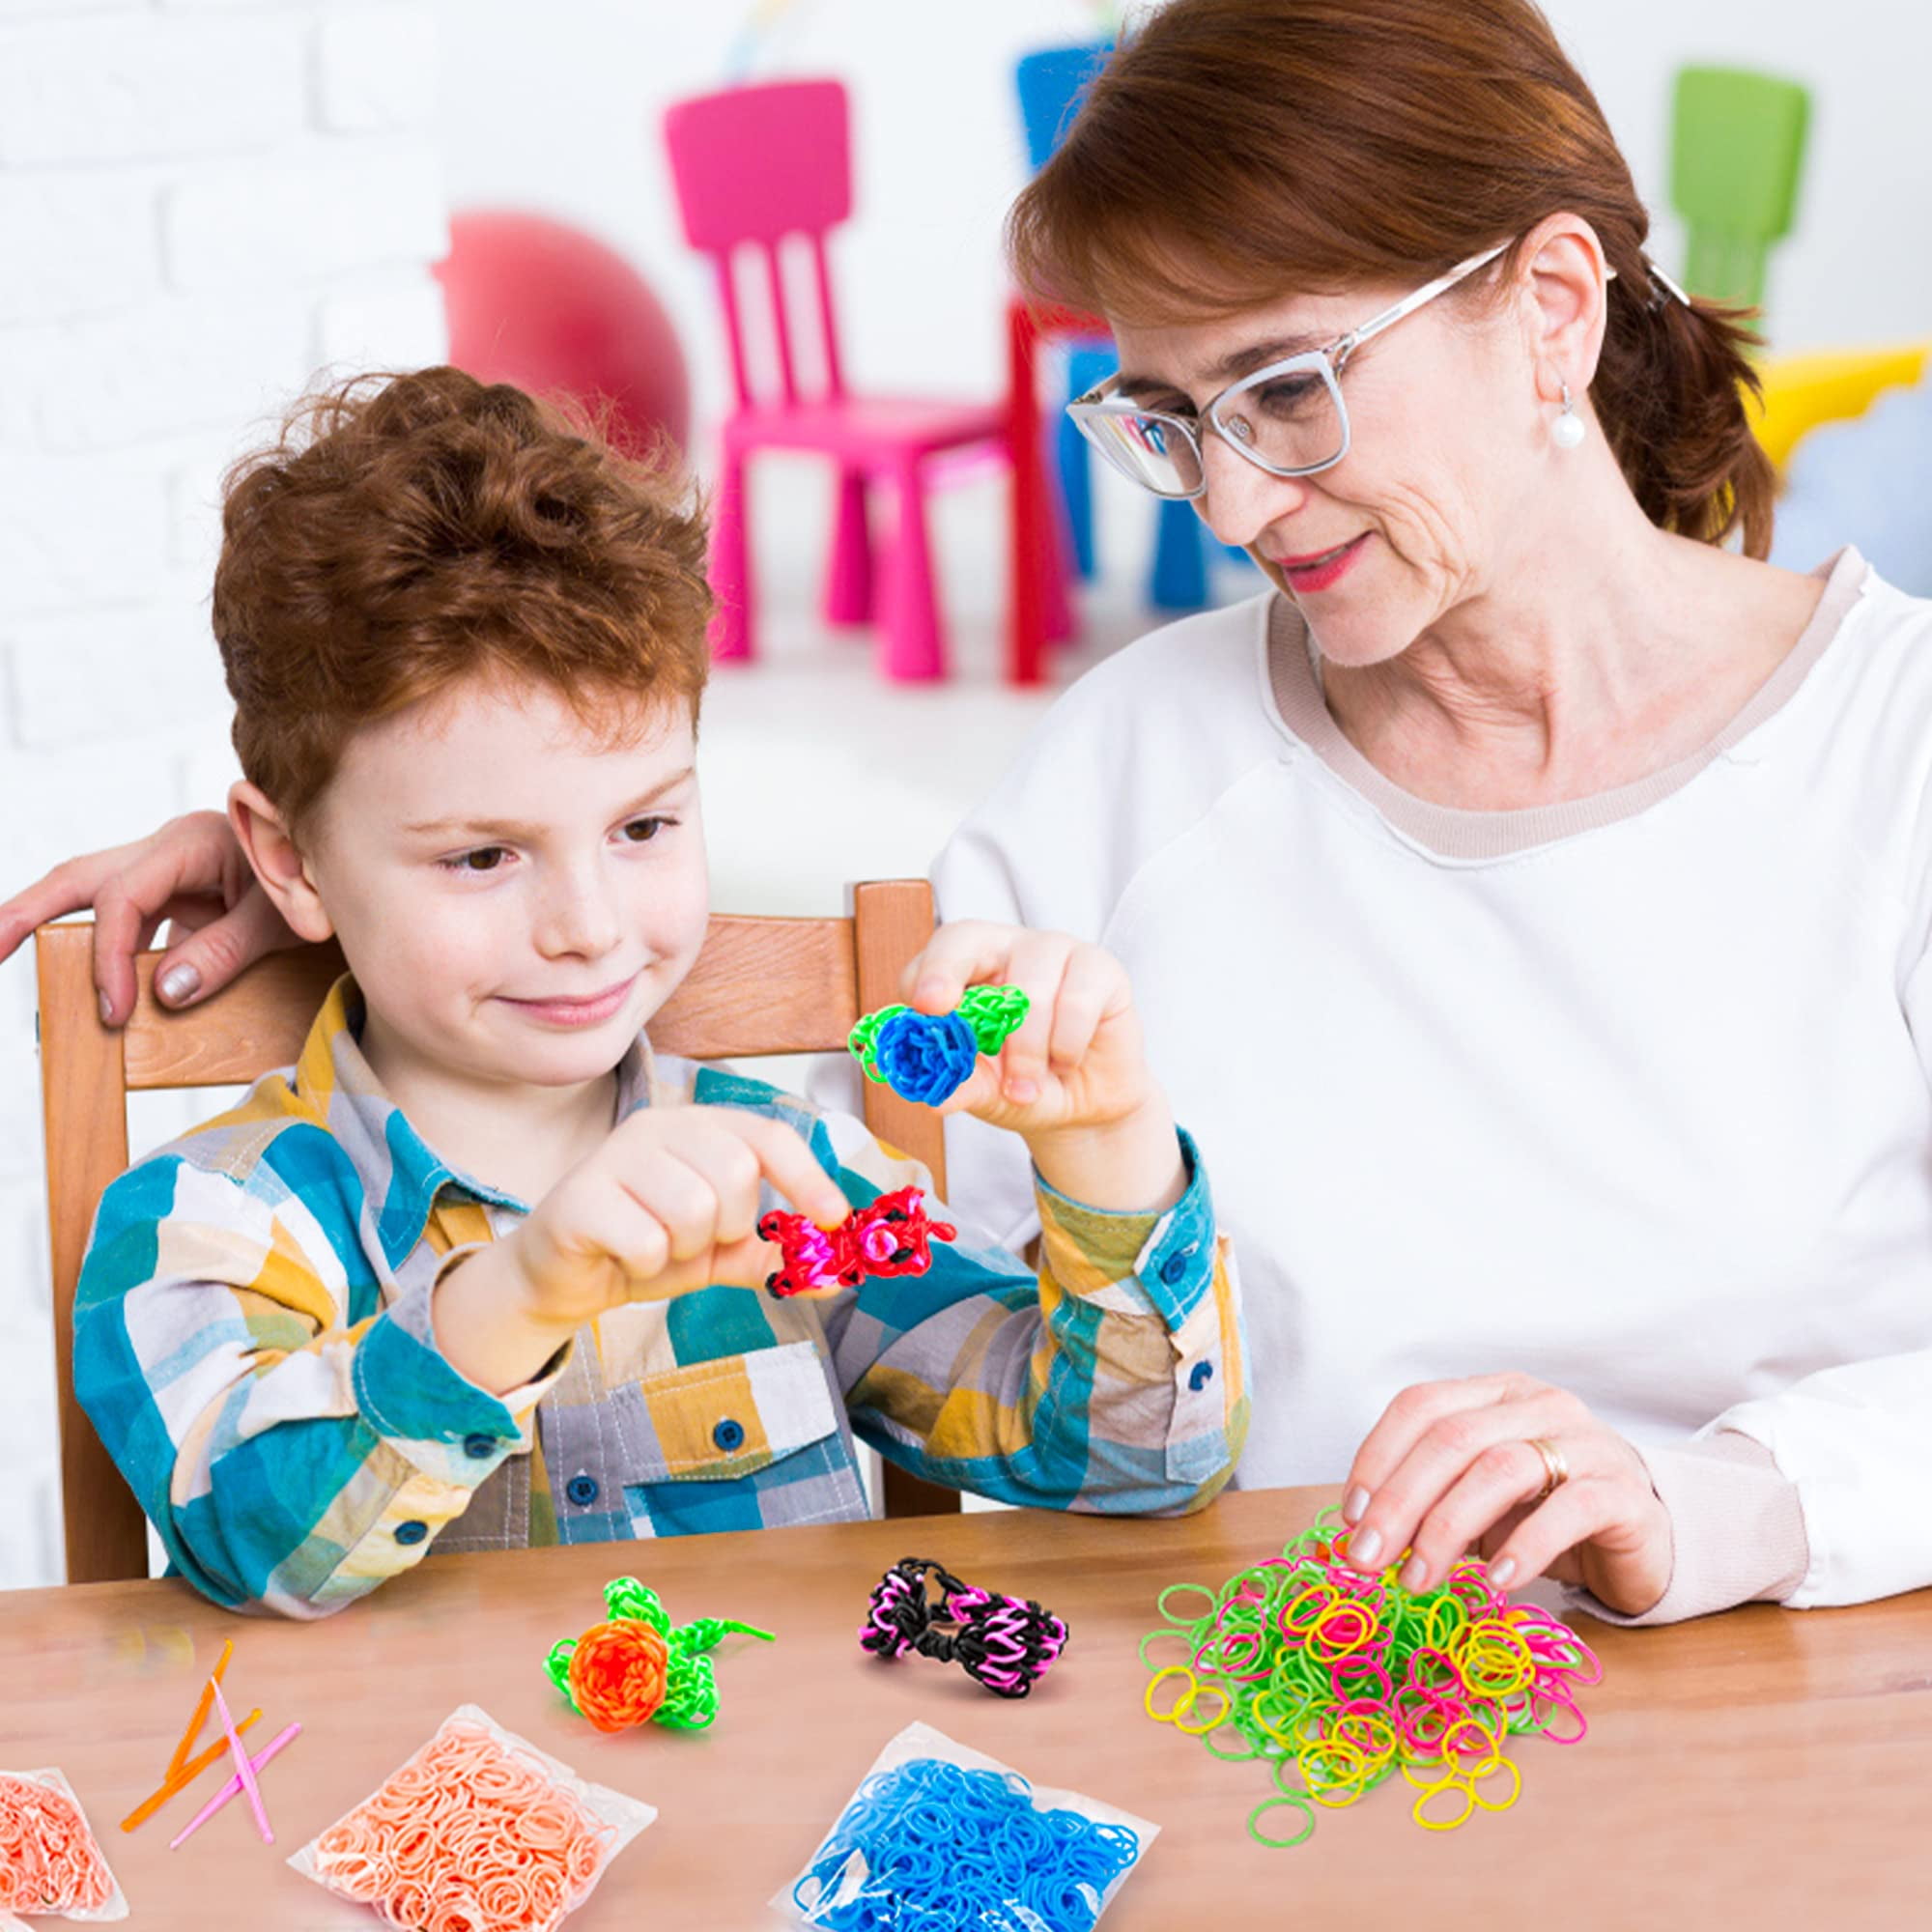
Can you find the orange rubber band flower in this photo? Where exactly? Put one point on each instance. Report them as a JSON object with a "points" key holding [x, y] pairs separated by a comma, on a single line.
{"points": [[618, 1672]]}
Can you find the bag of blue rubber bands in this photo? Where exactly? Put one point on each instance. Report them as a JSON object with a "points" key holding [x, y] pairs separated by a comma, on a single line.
{"points": [[939, 1837]]}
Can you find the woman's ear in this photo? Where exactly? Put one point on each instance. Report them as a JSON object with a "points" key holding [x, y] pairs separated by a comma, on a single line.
{"points": [[1568, 284], [277, 862]]}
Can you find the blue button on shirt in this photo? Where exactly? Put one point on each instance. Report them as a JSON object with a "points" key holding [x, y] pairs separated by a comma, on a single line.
{"points": [[477, 1447], [728, 1434], [582, 1491], [1201, 1375], [412, 1531], [1175, 1264]]}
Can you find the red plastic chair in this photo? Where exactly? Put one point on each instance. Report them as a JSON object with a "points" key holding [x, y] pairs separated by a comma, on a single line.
{"points": [[753, 166]]}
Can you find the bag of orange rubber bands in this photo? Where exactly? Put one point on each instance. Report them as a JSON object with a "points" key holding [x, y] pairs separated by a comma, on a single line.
{"points": [[50, 1863], [480, 1832]]}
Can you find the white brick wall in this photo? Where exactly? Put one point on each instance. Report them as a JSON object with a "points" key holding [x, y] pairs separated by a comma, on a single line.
{"points": [[202, 203]]}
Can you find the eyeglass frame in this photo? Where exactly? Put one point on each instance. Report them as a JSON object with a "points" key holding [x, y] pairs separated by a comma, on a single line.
{"points": [[1330, 362]]}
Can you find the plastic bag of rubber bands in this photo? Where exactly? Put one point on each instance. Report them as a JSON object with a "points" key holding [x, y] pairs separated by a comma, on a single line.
{"points": [[51, 1861], [939, 1837], [480, 1832]]}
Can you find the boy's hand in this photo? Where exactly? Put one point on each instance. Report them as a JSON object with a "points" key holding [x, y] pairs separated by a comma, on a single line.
{"points": [[1072, 1080], [669, 1203]]}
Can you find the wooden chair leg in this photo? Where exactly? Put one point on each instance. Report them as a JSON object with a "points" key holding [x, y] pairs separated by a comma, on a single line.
{"points": [[907, 1495]]}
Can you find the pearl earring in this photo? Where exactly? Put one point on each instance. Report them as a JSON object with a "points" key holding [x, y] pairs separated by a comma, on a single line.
{"points": [[1567, 430]]}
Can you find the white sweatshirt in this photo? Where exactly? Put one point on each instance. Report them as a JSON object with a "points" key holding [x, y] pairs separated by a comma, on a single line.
{"points": [[1630, 1094]]}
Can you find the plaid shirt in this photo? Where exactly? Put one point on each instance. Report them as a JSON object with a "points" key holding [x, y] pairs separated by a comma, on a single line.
{"points": [[253, 1342]]}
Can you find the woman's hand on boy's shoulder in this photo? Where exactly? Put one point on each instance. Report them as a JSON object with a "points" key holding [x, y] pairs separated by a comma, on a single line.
{"points": [[190, 875], [669, 1202], [1073, 1079]]}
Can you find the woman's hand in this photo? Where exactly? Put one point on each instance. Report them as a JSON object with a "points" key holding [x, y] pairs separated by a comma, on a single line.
{"points": [[1072, 1080], [189, 875], [1451, 1465]]}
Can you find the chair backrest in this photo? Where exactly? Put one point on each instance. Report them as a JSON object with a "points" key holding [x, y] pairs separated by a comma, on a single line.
{"points": [[752, 167], [1737, 150], [760, 986], [1050, 84]]}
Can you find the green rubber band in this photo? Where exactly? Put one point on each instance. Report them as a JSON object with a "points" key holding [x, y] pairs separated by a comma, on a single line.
{"points": [[1297, 1802], [860, 1040], [994, 1014], [1185, 1638], [1249, 1749], [1199, 1589]]}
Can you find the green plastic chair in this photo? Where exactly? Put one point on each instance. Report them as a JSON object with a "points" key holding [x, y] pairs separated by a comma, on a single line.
{"points": [[1737, 150]]}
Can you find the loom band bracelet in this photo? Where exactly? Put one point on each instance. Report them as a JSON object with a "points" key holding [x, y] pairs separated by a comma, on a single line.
{"points": [[1186, 1638], [1198, 1590], [1182, 1705], [1462, 1788], [1298, 1803]]}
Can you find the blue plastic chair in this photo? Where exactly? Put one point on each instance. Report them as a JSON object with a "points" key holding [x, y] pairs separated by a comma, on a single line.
{"points": [[1050, 83]]}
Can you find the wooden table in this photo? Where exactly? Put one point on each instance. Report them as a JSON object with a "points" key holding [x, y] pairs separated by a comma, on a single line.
{"points": [[1765, 1769]]}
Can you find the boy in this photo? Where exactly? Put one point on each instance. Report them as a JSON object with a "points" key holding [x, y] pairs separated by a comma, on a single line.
{"points": [[467, 648]]}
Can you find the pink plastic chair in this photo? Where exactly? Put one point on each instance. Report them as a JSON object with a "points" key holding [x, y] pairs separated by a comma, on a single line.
{"points": [[756, 165]]}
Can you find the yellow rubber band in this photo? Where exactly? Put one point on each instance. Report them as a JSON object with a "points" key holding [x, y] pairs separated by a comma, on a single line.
{"points": [[1220, 1716], [1446, 1824], [1509, 1765], [1181, 1704]]}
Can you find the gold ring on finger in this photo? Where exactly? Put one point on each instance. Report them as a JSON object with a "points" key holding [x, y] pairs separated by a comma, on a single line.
{"points": [[1555, 1470]]}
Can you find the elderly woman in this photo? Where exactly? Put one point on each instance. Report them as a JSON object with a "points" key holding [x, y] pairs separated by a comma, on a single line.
{"points": [[1528, 899]]}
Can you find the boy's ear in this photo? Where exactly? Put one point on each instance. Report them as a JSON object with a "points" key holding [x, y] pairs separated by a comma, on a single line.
{"points": [[277, 862]]}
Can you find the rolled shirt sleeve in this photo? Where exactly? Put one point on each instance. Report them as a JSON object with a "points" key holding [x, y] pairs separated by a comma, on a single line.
{"points": [[1109, 1380], [293, 1442]]}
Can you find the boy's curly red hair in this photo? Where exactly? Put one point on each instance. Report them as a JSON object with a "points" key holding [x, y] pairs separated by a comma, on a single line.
{"points": [[406, 533]]}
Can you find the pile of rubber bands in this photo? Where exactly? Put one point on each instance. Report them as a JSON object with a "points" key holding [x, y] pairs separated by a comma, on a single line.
{"points": [[1339, 1680], [933, 1844], [49, 1859], [472, 1835]]}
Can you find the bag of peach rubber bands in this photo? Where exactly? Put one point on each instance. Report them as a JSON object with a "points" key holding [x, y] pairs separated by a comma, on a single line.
{"points": [[50, 1863], [479, 1832]]}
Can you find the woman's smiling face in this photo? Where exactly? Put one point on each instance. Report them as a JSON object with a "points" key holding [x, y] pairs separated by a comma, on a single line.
{"points": [[1447, 441]]}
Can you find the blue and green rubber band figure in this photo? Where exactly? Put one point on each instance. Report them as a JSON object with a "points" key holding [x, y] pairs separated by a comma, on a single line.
{"points": [[929, 1057]]}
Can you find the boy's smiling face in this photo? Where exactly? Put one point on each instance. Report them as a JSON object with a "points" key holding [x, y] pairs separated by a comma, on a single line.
{"points": [[516, 894]]}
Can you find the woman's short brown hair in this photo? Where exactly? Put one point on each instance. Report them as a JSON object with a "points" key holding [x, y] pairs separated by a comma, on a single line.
{"points": [[1234, 151], [406, 533]]}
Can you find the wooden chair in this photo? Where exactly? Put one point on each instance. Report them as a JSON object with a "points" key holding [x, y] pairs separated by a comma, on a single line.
{"points": [[760, 986]]}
